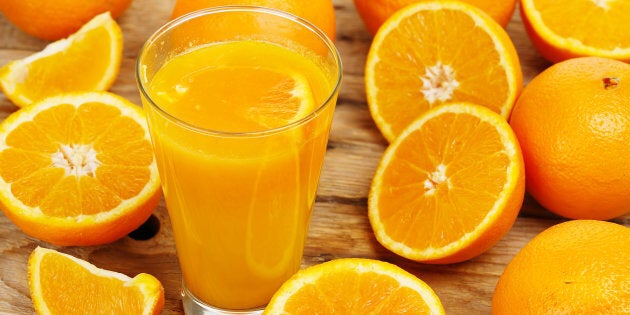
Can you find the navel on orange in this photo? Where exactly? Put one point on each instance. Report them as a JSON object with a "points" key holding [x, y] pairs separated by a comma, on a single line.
{"points": [[434, 52], [78, 169], [449, 187], [354, 286], [567, 29], [375, 12], [88, 60], [575, 267], [62, 284]]}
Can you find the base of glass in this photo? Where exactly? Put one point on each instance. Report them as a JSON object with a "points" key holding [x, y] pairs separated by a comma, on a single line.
{"points": [[193, 306]]}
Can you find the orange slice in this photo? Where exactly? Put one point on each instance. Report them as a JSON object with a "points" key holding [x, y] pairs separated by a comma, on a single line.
{"points": [[289, 99], [449, 187], [434, 52], [354, 286], [567, 29], [88, 60], [78, 169], [63, 284]]}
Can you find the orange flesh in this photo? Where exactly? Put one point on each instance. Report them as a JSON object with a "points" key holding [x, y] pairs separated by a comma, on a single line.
{"points": [[425, 209], [350, 292], [471, 69], [39, 149], [605, 19], [80, 291]]}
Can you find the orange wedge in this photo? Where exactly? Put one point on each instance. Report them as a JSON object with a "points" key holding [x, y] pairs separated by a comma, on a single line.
{"points": [[88, 60], [434, 52], [63, 284], [449, 187], [354, 286], [562, 30], [78, 169]]}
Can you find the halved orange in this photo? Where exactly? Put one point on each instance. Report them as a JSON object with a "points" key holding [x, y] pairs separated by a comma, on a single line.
{"points": [[88, 60], [562, 30], [449, 187], [78, 169], [63, 284], [354, 286], [434, 52]]}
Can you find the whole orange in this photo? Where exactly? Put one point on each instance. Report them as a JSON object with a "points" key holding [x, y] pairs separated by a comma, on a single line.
{"points": [[573, 124], [53, 20], [575, 267], [319, 12], [375, 12]]}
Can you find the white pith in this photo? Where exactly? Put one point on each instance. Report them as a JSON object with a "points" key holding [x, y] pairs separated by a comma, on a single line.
{"points": [[76, 159], [602, 4], [439, 83], [436, 178]]}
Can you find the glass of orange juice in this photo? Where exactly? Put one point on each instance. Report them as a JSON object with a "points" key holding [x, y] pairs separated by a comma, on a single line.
{"points": [[239, 101]]}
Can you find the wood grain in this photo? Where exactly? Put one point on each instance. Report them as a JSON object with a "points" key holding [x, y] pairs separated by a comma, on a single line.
{"points": [[339, 226]]}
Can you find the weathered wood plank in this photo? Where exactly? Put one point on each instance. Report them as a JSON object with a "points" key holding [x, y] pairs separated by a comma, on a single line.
{"points": [[339, 226]]}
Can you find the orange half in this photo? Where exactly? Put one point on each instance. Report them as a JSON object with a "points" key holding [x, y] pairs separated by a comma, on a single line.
{"points": [[434, 52], [449, 187], [78, 169], [562, 30], [354, 286]]}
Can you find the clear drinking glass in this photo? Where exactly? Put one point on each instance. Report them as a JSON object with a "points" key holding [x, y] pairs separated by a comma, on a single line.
{"points": [[239, 184]]}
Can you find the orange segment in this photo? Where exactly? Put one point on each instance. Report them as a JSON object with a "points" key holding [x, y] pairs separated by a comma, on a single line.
{"points": [[354, 286], [78, 169], [567, 29], [434, 52], [449, 187], [63, 284], [88, 60]]}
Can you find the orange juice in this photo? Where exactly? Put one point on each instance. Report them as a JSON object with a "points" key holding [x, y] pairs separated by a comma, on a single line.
{"points": [[240, 162]]}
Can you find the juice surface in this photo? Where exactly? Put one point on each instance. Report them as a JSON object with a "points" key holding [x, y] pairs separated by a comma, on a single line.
{"points": [[240, 205], [241, 86]]}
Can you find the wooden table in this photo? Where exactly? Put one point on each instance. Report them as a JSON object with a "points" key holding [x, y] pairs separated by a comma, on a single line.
{"points": [[339, 226]]}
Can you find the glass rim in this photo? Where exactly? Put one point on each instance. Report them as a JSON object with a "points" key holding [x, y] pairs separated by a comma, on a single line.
{"points": [[240, 8]]}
